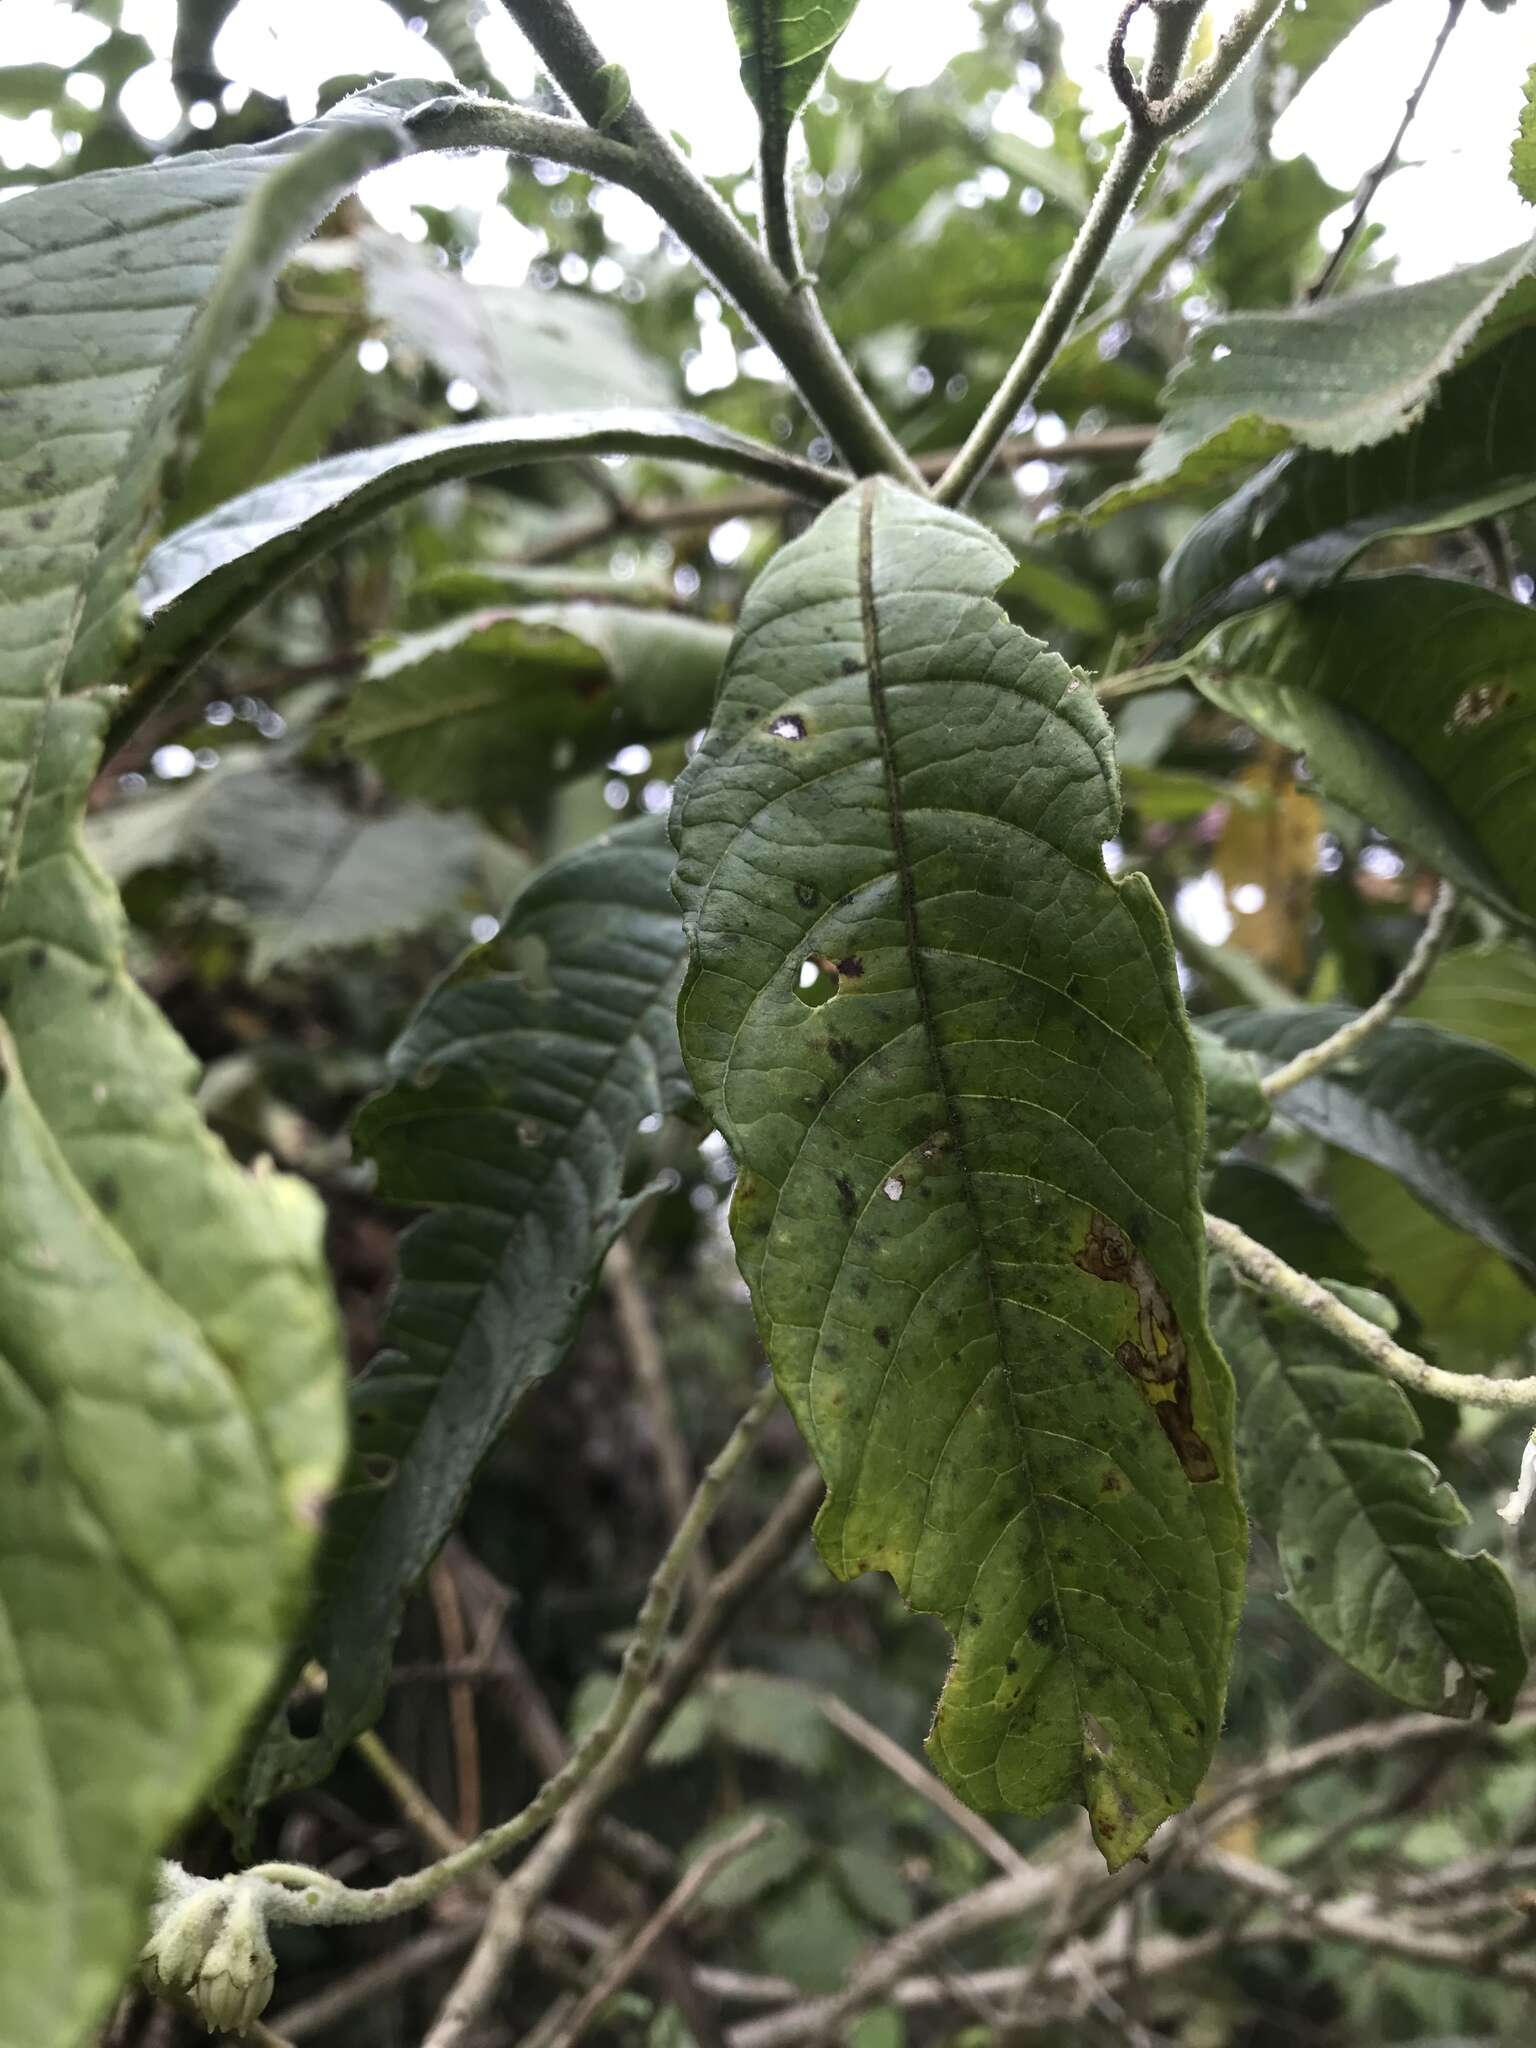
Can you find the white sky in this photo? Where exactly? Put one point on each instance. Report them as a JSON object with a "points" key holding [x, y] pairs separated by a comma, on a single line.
{"points": [[1460, 207]]}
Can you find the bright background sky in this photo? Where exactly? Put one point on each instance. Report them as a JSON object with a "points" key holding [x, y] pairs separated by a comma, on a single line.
{"points": [[1459, 207]]}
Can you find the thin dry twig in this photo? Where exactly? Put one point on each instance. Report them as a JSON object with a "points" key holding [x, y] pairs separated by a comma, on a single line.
{"points": [[464, 1732]]}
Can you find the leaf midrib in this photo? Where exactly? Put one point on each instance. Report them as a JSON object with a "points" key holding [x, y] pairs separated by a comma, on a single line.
{"points": [[880, 718]]}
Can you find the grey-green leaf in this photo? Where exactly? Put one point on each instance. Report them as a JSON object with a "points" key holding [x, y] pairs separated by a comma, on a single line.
{"points": [[967, 1204], [1358, 1518], [1305, 517], [1454, 1120], [202, 580], [516, 1090], [491, 708], [1412, 698], [1337, 376]]}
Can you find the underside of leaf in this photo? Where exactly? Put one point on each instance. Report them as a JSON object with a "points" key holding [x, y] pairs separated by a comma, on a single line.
{"points": [[967, 1202]]}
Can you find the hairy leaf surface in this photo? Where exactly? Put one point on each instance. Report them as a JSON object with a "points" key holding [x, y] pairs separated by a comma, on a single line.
{"points": [[202, 580], [1412, 698], [1358, 1517], [1454, 1120], [1338, 376], [493, 707], [517, 1089], [169, 1364], [784, 48], [1307, 516], [967, 1204]]}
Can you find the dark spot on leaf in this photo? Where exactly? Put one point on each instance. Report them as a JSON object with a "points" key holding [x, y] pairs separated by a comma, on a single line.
{"points": [[37, 957], [1042, 1624], [848, 666], [851, 968], [108, 1193], [847, 1200], [882, 1336], [973, 1617], [101, 991], [1111, 1482], [1012, 1666], [380, 1469], [40, 521], [807, 895], [39, 479], [844, 1051]]}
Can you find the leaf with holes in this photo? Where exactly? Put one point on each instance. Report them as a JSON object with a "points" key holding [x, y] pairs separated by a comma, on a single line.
{"points": [[1412, 698], [1358, 1518], [1302, 520], [516, 1090], [171, 1393], [967, 1207], [1337, 376], [496, 706], [1454, 1120]]}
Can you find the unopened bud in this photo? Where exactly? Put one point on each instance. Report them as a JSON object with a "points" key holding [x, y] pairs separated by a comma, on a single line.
{"points": [[235, 1981], [208, 1952]]}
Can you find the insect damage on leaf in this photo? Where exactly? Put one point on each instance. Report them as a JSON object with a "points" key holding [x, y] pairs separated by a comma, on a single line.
{"points": [[1155, 1358], [946, 1048]]}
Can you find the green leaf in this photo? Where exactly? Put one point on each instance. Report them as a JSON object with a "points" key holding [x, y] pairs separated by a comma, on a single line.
{"points": [[1266, 246], [490, 709], [170, 1405], [311, 875], [1306, 516], [285, 397], [202, 580], [1337, 376], [524, 350], [516, 1090], [784, 47], [1411, 697], [1358, 1518], [1522, 154], [128, 293], [170, 1411], [1454, 1120], [1303, 1232], [1235, 1104], [967, 1205]]}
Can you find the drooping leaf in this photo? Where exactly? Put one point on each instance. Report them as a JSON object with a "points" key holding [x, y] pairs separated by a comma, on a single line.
{"points": [[197, 584], [1454, 1120], [127, 294], [1411, 697], [1302, 520], [967, 1205], [311, 875], [1358, 1518], [517, 1089], [492, 708], [1339, 375], [170, 1395], [524, 350], [784, 48]]}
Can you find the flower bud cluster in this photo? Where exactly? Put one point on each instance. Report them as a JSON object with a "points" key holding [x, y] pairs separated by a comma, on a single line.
{"points": [[208, 1950]]}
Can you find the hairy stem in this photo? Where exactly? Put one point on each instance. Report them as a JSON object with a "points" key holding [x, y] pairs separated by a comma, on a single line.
{"points": [[786, 318], [1153, 120], [1416, 969], [307, 1897], [1260, 1265]]}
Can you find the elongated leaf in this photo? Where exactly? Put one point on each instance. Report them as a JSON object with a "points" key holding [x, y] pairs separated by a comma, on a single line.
{"points": [[517, 1088], [197, 584], [1338, 376], [967, 1207], [1305, 518], [784, 48], [523, 349], [1454, 1120], [491, 708], [127, 293], [1412, 698], [1358, 1518], [170, 1387]]}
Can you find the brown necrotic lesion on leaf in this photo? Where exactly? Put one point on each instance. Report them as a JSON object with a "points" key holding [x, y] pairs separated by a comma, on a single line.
{"points": [[1156, 1358]]}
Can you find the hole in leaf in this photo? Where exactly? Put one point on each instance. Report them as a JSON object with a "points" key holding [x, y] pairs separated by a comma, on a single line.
{"points": [[789, 725], [817, 982], [893, 1187]]}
